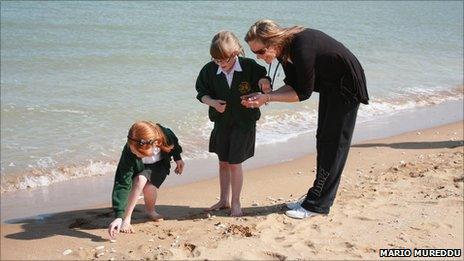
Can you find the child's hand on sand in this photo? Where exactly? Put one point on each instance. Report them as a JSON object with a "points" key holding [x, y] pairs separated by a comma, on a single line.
{"points": [[127, 227], [114, 227], [180, 167]]}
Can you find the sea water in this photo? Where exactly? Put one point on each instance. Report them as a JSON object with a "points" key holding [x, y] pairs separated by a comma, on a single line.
{"points": [[76, 75]]}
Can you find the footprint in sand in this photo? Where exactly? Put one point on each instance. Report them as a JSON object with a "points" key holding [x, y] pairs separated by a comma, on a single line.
{"points": [[192, 250], [310, 244], [349, 245], [276, 255]]}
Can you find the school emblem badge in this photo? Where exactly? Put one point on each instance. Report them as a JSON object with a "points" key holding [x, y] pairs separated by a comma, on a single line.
{"points": [[244, 87]]}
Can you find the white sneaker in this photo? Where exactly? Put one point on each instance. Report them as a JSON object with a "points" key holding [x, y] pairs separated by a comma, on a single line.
{"points": [[296, 204], [300, 213]]}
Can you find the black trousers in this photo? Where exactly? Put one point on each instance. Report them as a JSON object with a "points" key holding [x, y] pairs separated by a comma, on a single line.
{"points": [[336, 121]]}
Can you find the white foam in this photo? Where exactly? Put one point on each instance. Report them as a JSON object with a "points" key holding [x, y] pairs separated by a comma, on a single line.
{"points": [[45, 177]]}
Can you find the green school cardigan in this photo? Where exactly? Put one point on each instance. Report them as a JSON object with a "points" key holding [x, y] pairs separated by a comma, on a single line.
{"points": [[130, 164]]}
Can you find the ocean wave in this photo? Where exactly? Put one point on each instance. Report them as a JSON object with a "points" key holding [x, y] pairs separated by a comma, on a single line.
{"points": [[40, 177]]}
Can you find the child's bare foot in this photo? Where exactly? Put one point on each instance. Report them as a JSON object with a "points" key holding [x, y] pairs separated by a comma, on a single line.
{"points": [[218, 206], [153, 215], [236, 211], [126, 227]]}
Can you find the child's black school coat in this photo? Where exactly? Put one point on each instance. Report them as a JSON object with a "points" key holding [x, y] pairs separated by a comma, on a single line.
{"points": [[245, 82]]}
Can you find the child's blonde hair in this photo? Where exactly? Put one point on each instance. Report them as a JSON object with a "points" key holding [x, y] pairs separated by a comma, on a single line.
{"points": [[144, 134], [225, 45], [270, 33]]}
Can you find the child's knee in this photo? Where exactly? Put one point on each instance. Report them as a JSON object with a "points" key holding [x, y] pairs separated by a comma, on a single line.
{"points": [[224, 165], [235, 167], [148, 188], [139, 182]]}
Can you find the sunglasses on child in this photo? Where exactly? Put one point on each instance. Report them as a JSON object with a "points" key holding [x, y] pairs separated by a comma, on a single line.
{"points": [[260, 51], [142, 142]]}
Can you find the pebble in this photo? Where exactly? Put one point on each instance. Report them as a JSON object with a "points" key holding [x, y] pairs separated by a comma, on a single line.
{"points": [[67, 252], [99, 254], [419, 133], [99, 247], [299, 173], [111, 259], [151, 240], [113, 251], [255, 205], [113, 241]]}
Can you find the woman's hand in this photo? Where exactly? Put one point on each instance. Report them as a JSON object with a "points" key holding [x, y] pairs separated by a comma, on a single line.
{"points": [[180, 167], [115, 227], [265, 85], [219, 105], [254, 100]]}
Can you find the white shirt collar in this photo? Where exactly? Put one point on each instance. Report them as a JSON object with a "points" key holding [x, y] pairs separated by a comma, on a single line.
{"points": [[237, 68]]}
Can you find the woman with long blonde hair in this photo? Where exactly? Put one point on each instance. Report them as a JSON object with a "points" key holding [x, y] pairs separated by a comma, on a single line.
{"points": [[314, 61]]}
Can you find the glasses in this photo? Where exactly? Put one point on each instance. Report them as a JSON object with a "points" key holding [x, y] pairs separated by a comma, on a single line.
{"points": [[142, 142], [220, 61], [260, 51]]}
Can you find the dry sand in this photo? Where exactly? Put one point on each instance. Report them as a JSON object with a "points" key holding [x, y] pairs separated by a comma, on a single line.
{"points": [[401, 192]]}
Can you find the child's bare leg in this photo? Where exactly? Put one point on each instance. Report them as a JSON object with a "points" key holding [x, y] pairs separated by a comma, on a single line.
{"points": [[224, 183], [150, 193], [137, 186], [237, 183]]}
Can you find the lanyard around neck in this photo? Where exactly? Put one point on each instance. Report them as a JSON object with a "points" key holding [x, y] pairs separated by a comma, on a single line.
{"points": [[275, 72]]}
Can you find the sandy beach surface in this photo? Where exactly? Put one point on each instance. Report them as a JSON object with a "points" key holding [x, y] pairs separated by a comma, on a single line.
{"points": [[404, 191]]}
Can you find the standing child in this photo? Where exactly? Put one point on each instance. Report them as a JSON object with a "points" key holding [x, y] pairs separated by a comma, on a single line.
{"points": [[220, 85], [145, 162]]}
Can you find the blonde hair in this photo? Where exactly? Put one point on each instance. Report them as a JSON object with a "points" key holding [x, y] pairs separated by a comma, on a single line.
{"points": [[225, 45], [147, 131], [270, 33]]}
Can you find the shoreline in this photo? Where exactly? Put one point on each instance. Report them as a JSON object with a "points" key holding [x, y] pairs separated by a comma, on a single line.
{"points": [[56, 197], [404, 191]]}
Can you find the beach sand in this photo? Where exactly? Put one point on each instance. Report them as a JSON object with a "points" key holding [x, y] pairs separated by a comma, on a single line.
{"points": [[404, 191]]}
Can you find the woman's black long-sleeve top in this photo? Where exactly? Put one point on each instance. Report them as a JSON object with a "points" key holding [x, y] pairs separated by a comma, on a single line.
{"points": [[318, 61]]}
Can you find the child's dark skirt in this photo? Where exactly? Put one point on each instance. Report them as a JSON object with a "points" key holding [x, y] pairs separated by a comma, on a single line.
{"points": [[155, 173], [233, 144]]}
